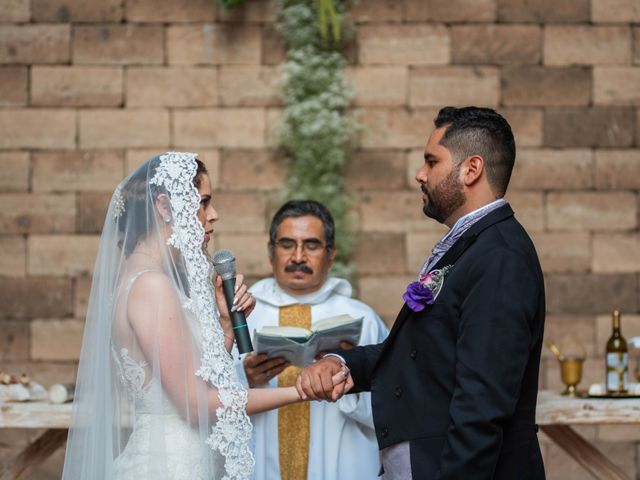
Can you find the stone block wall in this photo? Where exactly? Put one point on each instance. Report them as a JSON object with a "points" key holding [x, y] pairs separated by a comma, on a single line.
{"points": [[89, 90]]}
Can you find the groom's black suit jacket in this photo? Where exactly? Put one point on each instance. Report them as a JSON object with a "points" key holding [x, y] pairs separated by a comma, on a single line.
{"points": [[459, 380]]}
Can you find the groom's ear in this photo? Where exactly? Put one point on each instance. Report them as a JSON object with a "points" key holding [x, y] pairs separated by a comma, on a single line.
{"points": [[163, 205], [471, 170]]}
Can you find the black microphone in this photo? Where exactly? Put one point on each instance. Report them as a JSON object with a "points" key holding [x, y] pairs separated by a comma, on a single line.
{"points": [[225, 264]]}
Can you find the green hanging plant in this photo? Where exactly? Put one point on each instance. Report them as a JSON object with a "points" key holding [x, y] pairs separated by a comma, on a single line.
{"points": [[229, 4], [327, 15], [328, 20], [315, 130]]}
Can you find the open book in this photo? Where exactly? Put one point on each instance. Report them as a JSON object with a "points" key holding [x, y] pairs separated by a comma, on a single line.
{"points": [[301, 345]]}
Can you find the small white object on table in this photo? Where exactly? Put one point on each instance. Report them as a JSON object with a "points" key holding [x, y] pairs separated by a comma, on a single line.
{"points": [[17, 392], [599, 389]]}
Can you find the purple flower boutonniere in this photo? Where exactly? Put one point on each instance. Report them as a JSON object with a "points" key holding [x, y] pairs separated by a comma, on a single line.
{"points": [[425, 291]]}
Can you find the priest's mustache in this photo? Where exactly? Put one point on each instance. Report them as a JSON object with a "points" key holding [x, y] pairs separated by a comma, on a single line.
{"points": [[293, 267]]}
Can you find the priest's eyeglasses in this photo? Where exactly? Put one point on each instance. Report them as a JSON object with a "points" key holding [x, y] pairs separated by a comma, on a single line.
{"points": [[309, 246]]}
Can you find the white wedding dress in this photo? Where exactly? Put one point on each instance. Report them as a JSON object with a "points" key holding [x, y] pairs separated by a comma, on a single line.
{"points": [[183, 448], [178, 444]]}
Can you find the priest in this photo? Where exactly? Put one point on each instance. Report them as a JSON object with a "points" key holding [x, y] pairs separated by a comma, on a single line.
{"points": [[313, 440]]}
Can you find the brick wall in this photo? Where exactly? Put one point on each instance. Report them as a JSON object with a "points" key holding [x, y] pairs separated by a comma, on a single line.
{"points": [[89, 90]]}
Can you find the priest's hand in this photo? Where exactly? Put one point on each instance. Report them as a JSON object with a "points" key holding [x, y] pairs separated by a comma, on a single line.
{"points": [[316, 382], [344, 345], [259, 369]]}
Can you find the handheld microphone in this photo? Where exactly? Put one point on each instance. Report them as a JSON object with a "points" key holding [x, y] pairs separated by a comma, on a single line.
{"points": [[225, 264]]}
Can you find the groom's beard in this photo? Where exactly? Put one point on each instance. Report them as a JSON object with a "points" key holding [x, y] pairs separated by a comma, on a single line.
{"points": [[445, 198]]}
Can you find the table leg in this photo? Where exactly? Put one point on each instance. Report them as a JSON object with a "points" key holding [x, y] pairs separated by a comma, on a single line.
{"points": [[34, 454], [583, 452]]}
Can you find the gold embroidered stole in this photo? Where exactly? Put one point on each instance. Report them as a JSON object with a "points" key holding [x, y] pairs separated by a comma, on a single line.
{"points": [[293, 420]]}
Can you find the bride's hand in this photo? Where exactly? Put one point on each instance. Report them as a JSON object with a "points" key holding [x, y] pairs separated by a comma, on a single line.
{"points": [[341, 387], [243, 300], [342, 382]]}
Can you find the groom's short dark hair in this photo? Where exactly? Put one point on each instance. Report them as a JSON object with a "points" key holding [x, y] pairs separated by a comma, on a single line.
{"points": [[302, 208], [484, 132]]}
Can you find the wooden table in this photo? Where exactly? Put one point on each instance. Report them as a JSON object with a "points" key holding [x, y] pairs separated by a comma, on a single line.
{"points": [[556, 413], [54, 418]]}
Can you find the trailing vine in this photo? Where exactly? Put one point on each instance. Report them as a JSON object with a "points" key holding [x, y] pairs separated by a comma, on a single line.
{"points": [[229, 4], [328, 16], [328, 19], [315, 130]]}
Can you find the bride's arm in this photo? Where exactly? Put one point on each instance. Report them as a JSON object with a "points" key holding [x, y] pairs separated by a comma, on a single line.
{"points": [[263, 399], [156, 316]]}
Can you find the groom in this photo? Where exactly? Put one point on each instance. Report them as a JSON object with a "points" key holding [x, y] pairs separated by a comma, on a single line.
{"points": [[454, 385]]}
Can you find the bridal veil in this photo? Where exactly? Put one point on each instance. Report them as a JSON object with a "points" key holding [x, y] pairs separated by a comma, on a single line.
{"points": [[158, 397]]}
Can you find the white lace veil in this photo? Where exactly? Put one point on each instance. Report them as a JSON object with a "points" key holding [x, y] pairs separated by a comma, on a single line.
{"points": [[157, 395]]}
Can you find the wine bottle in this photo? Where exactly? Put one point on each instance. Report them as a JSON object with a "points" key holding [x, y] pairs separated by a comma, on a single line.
{"points": [[617, 359]]}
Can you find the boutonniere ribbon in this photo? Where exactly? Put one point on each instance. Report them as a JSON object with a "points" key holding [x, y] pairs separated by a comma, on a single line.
{"points": [[424, 291]]}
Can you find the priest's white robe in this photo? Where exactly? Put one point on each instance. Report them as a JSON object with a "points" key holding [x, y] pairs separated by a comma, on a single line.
{"points": [[343, 444]]}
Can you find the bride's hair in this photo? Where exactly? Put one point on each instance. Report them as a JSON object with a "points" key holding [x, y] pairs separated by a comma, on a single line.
{"points": [[137, 210]]}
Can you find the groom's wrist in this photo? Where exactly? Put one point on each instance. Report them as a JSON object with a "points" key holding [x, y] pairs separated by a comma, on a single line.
{"points": [[339, 357]]}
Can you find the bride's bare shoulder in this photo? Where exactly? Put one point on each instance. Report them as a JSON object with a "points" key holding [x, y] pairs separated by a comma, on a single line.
{"points": [[151, 289], [151, 282]]}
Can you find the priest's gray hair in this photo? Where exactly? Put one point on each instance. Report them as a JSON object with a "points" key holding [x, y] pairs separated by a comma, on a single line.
{"points": [[302, 208]]}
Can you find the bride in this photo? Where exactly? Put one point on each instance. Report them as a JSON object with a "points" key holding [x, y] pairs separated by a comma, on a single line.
{"points": [[157, 395]]}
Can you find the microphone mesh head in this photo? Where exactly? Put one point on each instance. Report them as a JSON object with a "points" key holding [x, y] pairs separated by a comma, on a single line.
{"points": [[225, 264]]}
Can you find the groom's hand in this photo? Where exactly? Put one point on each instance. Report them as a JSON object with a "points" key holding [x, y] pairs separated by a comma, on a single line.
{"points": [[315, 382]]}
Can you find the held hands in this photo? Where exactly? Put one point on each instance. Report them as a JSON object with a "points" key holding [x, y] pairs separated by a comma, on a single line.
{"points": [[260, 370], [326, 379]]}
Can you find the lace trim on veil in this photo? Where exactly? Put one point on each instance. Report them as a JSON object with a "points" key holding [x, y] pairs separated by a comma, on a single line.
{"points": [[232, 431]]}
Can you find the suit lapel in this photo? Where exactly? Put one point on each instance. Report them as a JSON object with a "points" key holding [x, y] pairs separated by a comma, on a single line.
{"points": [[449, 258], [470, 235]]}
